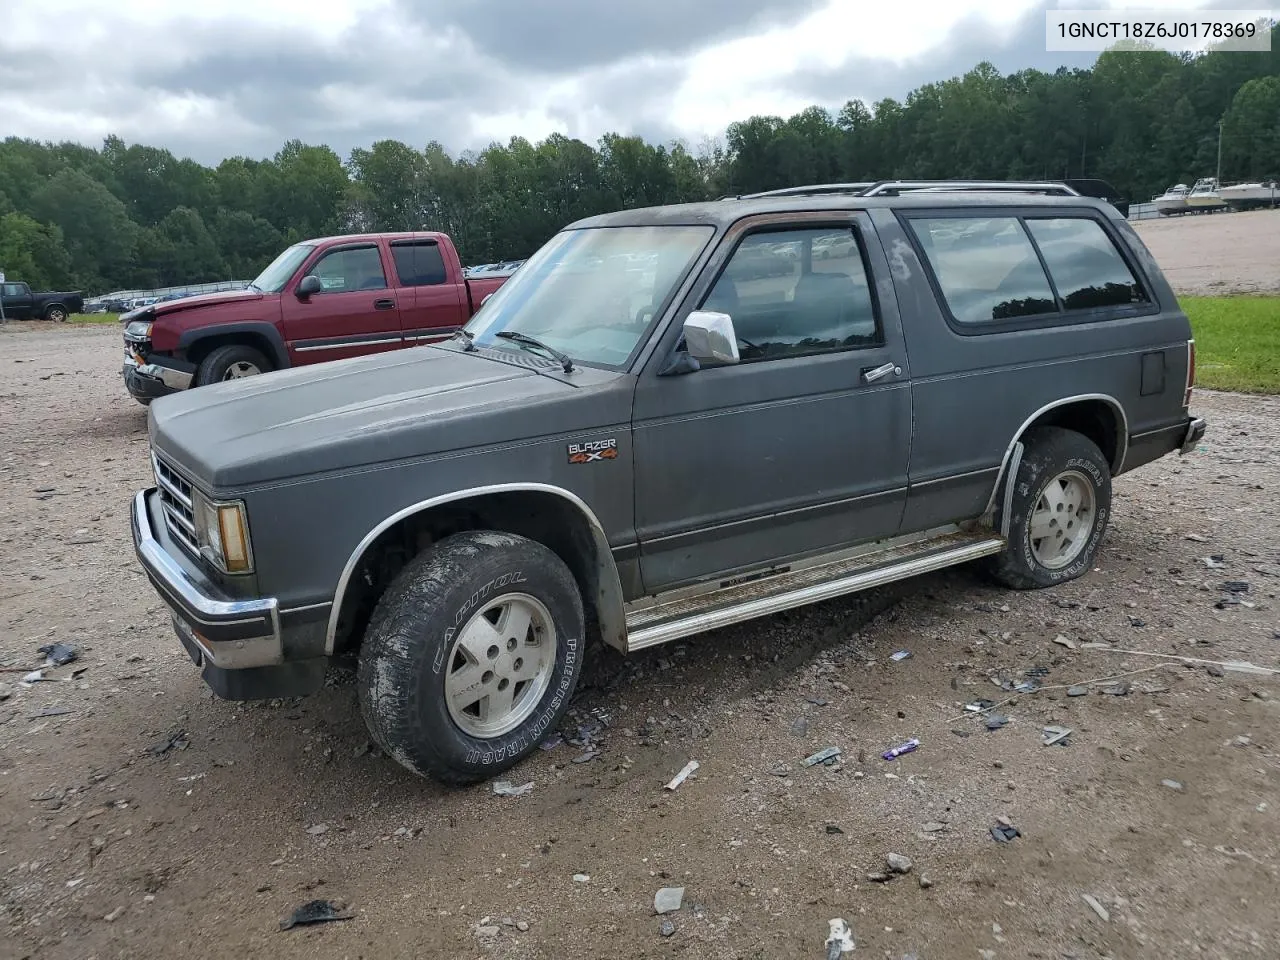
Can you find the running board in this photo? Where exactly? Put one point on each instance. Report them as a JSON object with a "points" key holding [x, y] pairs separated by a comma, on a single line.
{"points": [[654, 622]]}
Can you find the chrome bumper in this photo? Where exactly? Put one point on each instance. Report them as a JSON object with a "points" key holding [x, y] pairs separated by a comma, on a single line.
{"points": [[229, 634], [1194, 434]]}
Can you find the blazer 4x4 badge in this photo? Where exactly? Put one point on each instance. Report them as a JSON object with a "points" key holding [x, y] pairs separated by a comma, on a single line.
{"points": [[591, 450]]}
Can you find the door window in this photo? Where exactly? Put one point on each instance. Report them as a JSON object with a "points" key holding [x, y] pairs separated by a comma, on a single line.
{"points": [[418, 264], [350, 269], [796, 292]]}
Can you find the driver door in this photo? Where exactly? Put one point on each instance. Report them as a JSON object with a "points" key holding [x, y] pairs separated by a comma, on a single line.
{"points": [[798, 449]]}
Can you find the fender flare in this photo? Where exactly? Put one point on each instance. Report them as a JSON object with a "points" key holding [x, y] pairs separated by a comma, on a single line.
{"points": [[279, 353], [609, 601], [1122, 437]]}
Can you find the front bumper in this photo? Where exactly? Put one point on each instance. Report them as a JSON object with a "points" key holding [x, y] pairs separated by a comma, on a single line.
{"points": [[239, 645], [230, 634]]}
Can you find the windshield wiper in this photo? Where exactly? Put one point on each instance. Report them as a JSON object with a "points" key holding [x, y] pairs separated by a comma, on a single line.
{"points": [[253, 286], [468, 338], [529, 341]]}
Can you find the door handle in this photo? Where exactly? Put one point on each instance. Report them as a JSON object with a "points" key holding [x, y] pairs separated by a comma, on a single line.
{"points": [[387, 304], [872, 374]]}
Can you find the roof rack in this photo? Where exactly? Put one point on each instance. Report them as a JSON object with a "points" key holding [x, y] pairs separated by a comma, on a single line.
{"points": [[893, 187], [880, 188]]}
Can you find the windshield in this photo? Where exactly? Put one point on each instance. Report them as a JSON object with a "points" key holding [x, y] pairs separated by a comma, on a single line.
{"points": [[591, 293], [273, 279]]}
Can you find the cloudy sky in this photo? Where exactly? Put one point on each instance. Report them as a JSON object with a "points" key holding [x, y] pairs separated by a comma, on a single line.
{"points": [[209, 80]]}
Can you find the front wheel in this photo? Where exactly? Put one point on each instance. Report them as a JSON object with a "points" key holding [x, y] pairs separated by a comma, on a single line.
{"points": [[1058, 512], [471, 656], [230, 362]]}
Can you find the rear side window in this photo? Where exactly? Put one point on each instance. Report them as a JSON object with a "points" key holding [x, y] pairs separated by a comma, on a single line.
{"points": [[1085, 265], [992, 269], [987, 268], [418, 264]]}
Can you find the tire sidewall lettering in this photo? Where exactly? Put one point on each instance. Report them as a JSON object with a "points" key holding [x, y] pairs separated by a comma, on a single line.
{"points": [[464, 612]]}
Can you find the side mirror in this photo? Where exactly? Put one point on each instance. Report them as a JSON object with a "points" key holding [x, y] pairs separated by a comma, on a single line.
{"points": [[308, 285], [710, 337]]}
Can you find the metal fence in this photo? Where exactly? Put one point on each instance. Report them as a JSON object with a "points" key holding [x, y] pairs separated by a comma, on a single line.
{"points": [[187, 290]]}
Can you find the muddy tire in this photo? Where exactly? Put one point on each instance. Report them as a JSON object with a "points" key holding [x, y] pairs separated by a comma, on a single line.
{"points": [[231, 362], [1059, 511], [471, 656]]}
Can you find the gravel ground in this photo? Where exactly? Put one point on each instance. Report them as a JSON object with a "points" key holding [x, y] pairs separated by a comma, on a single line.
{"points": [[1214, 254], [112, 846]]}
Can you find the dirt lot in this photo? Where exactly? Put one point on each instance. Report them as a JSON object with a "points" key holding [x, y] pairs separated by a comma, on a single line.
{"points": [[111, 847], [1214, 254]]}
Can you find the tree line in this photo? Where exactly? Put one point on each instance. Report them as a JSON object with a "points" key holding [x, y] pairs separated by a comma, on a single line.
{"points": [[135, 216]]}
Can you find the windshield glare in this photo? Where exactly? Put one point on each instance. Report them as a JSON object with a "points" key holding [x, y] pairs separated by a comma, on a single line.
{"points": [[591, 293], [277, 274]]}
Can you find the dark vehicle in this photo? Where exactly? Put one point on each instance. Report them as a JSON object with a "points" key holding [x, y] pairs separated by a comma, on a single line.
{"points": [[641, 455], [20, 303], [319, 300]]}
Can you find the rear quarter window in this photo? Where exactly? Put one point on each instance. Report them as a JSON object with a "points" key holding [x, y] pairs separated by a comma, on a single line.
{"points": [[991, 271]]}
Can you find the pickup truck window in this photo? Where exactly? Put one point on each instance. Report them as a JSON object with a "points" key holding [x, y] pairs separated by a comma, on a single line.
{"points": [[12, 290], [1084, 264], [796, 292], [987, 268], [592, 293], [418, 263], [278, 272], [349, 269]]}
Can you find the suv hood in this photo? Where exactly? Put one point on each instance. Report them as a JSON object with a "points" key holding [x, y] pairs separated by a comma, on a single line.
{"points": [[357, 412]]}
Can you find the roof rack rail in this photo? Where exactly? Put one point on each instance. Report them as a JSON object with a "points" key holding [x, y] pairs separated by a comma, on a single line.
{"points": [[812, 190], [894, 187]]}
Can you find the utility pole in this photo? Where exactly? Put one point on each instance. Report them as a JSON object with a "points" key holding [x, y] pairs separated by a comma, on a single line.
{"points": [[1220, 150]]}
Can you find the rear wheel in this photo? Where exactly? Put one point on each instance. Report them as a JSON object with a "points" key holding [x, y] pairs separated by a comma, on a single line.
{"points": [[1058, 512], [56, 312], [231, 362], [471, 656]]}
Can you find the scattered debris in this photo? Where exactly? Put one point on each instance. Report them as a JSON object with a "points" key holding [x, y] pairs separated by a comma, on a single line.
{"points": [[58, 654], [114, 915], [879, 877], [898, 863], [584, 757], [900, 656], [833, 829], [1064, 641], [666, 928], [925, 882], [51, 712], [822, 756], [979, 706], [1196, 538], [35, 676], [1117, 690], [1214, 562], [839, 938], [318, 829], [1055, 734], [505, 788], [488, 930], [1235, 666], [683, 775], [552, 741], [1236, 586], [522, 926], [1077, 690], [934, 826], [1171, 784], [581, 878], [668, 899], [1137, 622], [996, 720], [178, 739], [816, 701], [781, 770], [801, 727], [1004, 833], [895, 752], [316, 911], [1096, 907]]}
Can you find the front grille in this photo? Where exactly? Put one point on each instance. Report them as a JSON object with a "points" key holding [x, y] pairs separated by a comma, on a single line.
{"points": [[177, 503]]}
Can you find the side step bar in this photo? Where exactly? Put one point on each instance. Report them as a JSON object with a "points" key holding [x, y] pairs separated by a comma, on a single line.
{"points": [[659, 622]]}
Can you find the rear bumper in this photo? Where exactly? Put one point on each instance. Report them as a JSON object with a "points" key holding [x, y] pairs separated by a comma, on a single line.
{"points": [[1194, 434], [1180, 437]]}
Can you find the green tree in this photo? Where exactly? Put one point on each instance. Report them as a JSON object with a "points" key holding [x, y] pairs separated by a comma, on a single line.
{"points": [[33, 252], [1251, 131], [100, 238]]}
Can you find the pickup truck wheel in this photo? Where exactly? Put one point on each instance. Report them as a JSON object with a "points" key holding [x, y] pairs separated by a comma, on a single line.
{"points": [[56, 313], [231, 362], [1059, 510], [471, 656]]}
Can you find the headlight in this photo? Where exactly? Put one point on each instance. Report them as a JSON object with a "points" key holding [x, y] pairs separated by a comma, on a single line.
{"points": [[138, 329], [222, 530]]}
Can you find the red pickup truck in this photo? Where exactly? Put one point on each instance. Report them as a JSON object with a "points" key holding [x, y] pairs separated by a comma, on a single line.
{"points": [[319, 300]]}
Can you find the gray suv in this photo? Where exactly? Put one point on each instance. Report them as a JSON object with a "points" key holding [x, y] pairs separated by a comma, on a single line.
{"points": [[667, 421]]}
